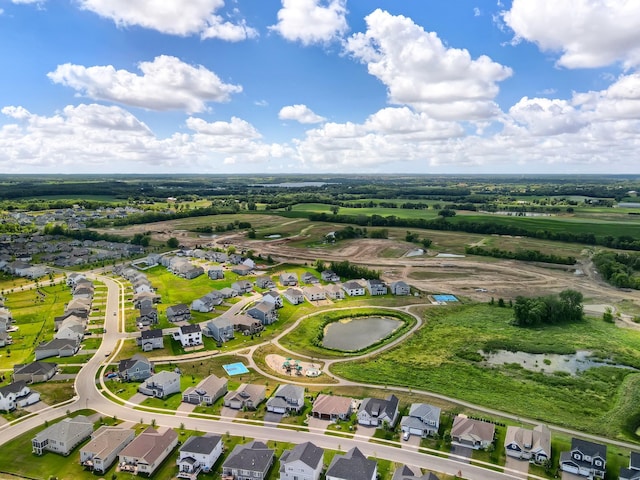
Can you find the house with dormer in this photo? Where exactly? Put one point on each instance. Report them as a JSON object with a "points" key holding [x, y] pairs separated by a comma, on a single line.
{"points": [[526, 444], [376, 412], [304, 461], [249, 461], [423, 420], [587, 459], [633, 472], [287, 398], [468, 432]]}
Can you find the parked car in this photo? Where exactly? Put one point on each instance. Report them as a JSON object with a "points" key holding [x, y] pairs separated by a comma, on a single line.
{"points": [[405, 436]]}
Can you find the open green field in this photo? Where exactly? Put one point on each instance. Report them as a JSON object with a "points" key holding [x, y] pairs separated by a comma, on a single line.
{"points": [[33, 315], [440, 358], [382, 211]]}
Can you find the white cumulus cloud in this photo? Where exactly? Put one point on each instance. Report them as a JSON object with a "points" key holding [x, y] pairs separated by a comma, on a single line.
{"points": [[420, 71], [587, 33], [299, 113], [174, 17], [311, 21], [166, 83]]}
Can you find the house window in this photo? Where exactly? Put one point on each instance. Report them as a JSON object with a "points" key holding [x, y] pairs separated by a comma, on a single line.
{"points": [[598, 463]]}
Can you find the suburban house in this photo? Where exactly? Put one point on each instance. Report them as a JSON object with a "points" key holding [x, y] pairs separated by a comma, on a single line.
{"points": [[242, 286], [587, 459], [334, 292], [264, 311], [248, 462], [58, 347], [17, 394], [471, 433], [314, 293], [148, 450], [304, 461], [178, 313], [148, 316], [423, 420], [215, 273], [310, 278], [405, 472], [376, 412], [220, 329], [288, 279], [329, 276], [525, 444], [135, 369], [376, 287], [150, 340], [633, 472], [246, 324], [189, 335], [62, 437], [332, 407], [352, 465], [198, 454], [273, 297], [70, 330], [241, 269], [353, 288], [294, 296], [287, 398], [161, 385], [145, 297], [228, 292], [206, 392], [207, 302], [105, 445], [400, 288], [69, 316], [246, 396], [264, 281], [34, 372]]}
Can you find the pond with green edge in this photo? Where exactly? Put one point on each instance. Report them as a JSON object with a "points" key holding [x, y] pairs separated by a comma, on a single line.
{"points": [[353, 334]]}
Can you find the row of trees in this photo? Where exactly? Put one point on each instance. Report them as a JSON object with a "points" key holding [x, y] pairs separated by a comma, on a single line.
{"points": [[525, 255], [348, 270], [619, 269], [548, 310]]}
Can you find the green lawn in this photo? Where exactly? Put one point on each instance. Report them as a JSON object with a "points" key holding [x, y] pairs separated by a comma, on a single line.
{"points": [[601, 400]]}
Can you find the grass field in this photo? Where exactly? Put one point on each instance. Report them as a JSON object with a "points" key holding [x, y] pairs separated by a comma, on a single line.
{"points": [[601, 400]]}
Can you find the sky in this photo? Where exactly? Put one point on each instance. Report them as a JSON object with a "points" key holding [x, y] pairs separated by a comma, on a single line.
{"points": [[320, 86]]}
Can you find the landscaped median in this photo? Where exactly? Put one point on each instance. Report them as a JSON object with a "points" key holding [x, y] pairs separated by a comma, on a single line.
{"points": [[307, 337]]}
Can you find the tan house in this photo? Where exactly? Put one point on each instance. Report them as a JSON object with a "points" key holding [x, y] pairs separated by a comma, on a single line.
{"points": [[148, 450], [525, 444], [105, 445], [332, 407], [475, 434]]}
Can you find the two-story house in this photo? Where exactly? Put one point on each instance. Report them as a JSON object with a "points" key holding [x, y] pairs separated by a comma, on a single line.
{"points": [[178, 313], [294, 296], [376, 287], [287, 398], [105, 445], [288, 279], [633, 472], [400, 288], [524, 444], [135, 369], [304, 461], [198, 454], [376, 412], [353, 288], [220, 329], [423, 420], [352, 465], [161, 385], [264, 311], [150, 340], [189, 335], [17, 394], [588, 459]]}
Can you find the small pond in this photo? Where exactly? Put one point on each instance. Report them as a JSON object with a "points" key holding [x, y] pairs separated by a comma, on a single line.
{"points": [[548, 362], [352, 334]]}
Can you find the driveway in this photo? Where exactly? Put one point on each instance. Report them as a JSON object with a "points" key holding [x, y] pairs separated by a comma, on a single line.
{"points": [[186, 407], [138, 398], [412, 442], [571, 476], [464, 452], [229, 412], [275, 418], [366, 432], [317, 425], [521, 466]]}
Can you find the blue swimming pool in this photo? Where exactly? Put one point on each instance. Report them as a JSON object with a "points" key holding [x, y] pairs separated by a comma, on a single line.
{"points": [[237, 368], [445, 298]]}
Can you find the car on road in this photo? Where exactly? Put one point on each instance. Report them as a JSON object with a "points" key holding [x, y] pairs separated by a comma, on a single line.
{"points": [[107, 354]]}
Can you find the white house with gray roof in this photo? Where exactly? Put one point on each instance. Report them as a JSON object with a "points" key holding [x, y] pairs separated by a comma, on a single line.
{"points": [[150, 340], [423, 420], [206, 392], [352, 465], [17, 394], [105, 445], [161, 385], [198, 454], [304, 461], [189, 335], [220, 329], [353, 288], [287, 398], [375, 411], [62, 437]]}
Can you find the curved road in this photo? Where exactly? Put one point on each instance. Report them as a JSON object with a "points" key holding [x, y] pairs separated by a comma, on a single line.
{"points": [[90, 395]]}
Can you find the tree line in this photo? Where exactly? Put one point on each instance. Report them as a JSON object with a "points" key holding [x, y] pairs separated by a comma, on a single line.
{"points": [[619, 269], [524, 255], [548, 310]]}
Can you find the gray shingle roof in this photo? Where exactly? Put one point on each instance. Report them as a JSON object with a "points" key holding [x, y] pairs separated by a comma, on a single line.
{"points": [[253, 456], [307, 453], [205, 444], [353, 465]]}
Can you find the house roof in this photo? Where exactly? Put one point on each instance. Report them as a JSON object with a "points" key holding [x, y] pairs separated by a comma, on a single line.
{"points": [[163, 377], [353, 465], [58, 343], [539, 438], [179, 309], [246, 391], [35, 368], [154, 333], [591, 449], [253, 456], [14, 387], [407, 473], [634, 461], [376, 407], [106, 439], [331, 404], [293, 292], [352, 285], [307, 453], [263, 307], [185, 329], [290, 391], [127, 363], [150, 445], [209, 385], [205, 444], [424, 411], [65, 429], [464, 427]]}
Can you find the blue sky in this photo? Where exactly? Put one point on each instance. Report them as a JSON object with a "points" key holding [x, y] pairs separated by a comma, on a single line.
{"points": [[319, 86]]}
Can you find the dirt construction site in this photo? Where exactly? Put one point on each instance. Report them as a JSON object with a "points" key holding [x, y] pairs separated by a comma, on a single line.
{"points": [[475, 278]]}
